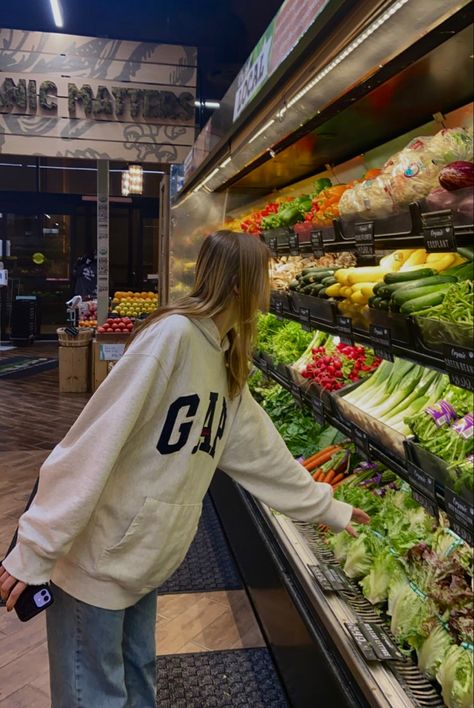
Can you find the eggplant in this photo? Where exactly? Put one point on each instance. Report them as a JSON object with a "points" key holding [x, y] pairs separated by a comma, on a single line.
{"points": [[457, 175]]}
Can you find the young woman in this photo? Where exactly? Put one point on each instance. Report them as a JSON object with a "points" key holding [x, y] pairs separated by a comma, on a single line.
{"points": [[120, 497]]}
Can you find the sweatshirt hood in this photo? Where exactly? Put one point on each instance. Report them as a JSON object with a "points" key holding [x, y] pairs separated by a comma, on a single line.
{"points": [[209, 329]]}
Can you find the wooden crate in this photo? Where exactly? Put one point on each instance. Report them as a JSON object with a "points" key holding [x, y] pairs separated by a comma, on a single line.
{"points": [[74, 364], [99, 368]]}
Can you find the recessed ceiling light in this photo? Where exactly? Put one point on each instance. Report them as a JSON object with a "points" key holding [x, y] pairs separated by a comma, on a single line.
{"points": [[57, 14]]}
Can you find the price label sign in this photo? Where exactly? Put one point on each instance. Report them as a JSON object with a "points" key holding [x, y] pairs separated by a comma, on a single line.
{"points": [[381, 340], [317, 243], [461, 515], [420, 479], [428, 504], [297, 394], [111, 352], [294, 243], [279, 309], [364, 239], [305, 319], [318, 574], [344, 329], [273, 246], [381, 645], [459, 363], [361, 440], [317, 407], [438, 231]]}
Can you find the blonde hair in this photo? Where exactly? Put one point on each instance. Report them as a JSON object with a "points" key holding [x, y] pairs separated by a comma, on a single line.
{"points": [[231, 267]]}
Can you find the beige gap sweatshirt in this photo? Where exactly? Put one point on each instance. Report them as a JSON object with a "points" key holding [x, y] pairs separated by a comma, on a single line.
{"points": [[120, 497]]}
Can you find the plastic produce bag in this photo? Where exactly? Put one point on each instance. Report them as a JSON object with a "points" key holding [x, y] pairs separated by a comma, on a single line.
{"points": [[371, 199]]}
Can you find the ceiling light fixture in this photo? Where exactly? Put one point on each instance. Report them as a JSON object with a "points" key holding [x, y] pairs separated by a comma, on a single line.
{"points": [[225, 163], [375, 25], [262, 130], [207, 104], [57, 14]]}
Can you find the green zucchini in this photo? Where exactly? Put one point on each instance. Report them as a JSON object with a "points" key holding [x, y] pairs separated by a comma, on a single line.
{"points": [[392, 290], [307, 289], [412, 293], [294, 285], [466, 272], [330, 280], [322, 293], [422, 303], [391, 278], [314, 269], [373, 299], [466, 252], [377, 287], [316, 277], [384, 305]]}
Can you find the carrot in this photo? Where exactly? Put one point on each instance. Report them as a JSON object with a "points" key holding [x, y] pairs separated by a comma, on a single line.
{"points": [[317, 474], [330, 476], [317, 455], [338, 478], [323, 457]]}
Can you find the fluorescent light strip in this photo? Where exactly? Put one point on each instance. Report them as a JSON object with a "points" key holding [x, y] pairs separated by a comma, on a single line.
{"points": [[262, 130], [74, 169], [375, 25], [57, 14], [225, 163], [209, 176]]}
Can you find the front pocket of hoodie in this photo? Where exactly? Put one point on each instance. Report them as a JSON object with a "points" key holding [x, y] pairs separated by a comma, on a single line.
{"points": [[153, 546]]}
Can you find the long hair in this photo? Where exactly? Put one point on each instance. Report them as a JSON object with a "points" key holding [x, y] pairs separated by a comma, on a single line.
{"points": [[231, 268]]}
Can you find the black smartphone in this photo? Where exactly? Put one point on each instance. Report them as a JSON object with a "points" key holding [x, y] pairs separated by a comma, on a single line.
{"points": [[33, 600]]}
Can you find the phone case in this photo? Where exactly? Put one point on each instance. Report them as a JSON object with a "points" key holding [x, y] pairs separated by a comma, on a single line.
{"points": [[33, 600]]}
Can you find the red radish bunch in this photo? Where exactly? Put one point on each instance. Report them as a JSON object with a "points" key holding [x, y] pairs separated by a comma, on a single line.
{"points": [[116, 325], [345, 364]]}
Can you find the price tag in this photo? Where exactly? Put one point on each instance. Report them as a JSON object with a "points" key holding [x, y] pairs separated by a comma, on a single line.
{"points": [[381, 341], [318, 574], [459, 363], [263, 366], [272, 245], [361, 440], [305, 319], [428, 504], [361, 642], [438, 231], [461, 515], [364, 239], [420, 479], [279, 309], [317, 243], [111, 352], [294, 244], [318, 410], [344, 329], [334, 578], [297, 394], [383, 646]]}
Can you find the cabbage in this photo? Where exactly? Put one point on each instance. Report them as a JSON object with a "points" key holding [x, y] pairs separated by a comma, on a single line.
{"points": [[360, 555], [411, 616], [384, 569], [433, 650], [340, 544], [455, 677]]}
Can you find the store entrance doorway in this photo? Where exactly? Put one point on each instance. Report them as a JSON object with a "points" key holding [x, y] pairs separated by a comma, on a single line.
{"points": [[53, 242]]}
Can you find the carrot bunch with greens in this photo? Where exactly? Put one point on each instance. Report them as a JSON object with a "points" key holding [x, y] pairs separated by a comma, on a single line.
{"points": [[329, 465]]}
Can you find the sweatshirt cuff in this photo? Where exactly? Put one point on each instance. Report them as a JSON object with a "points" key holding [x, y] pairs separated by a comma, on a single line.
{"points": [[25, 565], [337, 516]]}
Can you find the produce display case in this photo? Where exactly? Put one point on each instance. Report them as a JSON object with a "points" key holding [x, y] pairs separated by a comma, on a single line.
{"points": [[371, 106]]}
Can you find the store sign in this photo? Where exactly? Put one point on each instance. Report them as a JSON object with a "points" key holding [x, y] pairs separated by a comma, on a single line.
{"points": [[67, 96], [281, 37], [254, 74]]}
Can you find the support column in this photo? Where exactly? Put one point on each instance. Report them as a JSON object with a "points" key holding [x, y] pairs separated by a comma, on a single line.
{"points": [[102, 240]]}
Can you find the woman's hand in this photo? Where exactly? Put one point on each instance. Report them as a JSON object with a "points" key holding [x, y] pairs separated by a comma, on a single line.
{"points": [[10, 588], [359, 517]]}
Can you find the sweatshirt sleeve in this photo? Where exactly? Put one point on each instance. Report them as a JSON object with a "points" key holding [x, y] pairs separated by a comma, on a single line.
{"points": [[74, 475], [257, 457]]}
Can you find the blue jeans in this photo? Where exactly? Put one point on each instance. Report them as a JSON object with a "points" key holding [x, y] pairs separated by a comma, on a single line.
{"points": [[101, 658]]}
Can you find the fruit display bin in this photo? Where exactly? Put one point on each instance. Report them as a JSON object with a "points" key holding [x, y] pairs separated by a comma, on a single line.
{"points": [[305, 229], [279, 302], [401, 328], [435, 334], [319, 309], [381, 434], [436, 467]]}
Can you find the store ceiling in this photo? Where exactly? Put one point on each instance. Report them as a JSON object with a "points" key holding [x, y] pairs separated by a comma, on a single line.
{"points": [[224, 32]]}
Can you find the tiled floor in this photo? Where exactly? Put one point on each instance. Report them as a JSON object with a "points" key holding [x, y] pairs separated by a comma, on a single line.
{"points": [[34, 418]]}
